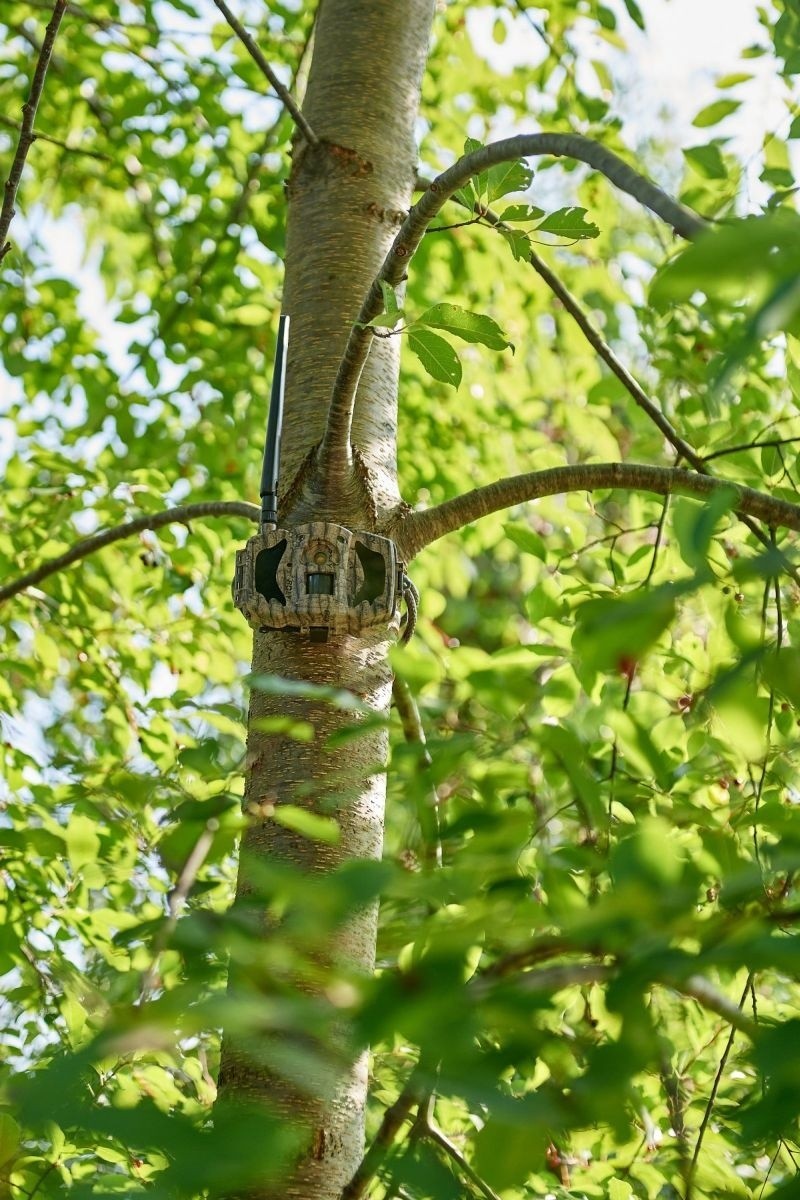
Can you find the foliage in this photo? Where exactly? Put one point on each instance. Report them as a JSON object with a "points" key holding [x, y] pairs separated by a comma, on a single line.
{"points": [[588, 891]]}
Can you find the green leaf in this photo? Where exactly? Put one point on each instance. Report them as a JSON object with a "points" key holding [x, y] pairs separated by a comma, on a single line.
{"points": [[469, 326], [524, 537], [635, 13], [506, 177], [389, 297], [506, 1155], [275, 685], [309, 824], [734, 78], [436, 355], [638, 749], [568, 223], [734, 262], [707, 161], [521, 212], [10, 1139], [613, 633], [83, 843], [650, 854], [781, 671], [571, 756], [716, 112], [518, 242], [695, 524]]}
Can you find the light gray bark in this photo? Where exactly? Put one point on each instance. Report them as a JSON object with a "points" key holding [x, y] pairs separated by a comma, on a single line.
{"points": [[347, 196]]}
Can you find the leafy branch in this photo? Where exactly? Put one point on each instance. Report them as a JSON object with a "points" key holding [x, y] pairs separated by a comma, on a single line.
{"points": [[416, 531], [335, 444], [27, 136], [170, 516], [604, 351]]}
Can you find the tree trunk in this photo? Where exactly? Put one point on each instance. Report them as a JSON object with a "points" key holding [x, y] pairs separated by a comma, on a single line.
{"points": [[346, 197]]}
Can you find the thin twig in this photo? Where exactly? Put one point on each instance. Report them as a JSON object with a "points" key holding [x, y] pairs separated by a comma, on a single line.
{"points": [[548, 979], [177, 899], [541, 950], [417, 530], [391, 1124], [427, 807], [171, 516], [432, 1131], [27, 136], [553, 978], [714, 1089], [266, 70], [51, 141], [699, 989], [744, 446], [394, 269], [51, 1166]]}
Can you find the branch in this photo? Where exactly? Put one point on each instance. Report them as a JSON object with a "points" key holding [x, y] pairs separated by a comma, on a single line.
{"points": [[548, 979], [562, 975], [540, 951], [618, 368], [27, 137], [701, 990], [177, 899], [337, 434], [715, 1086], [51, 141], [432, 1131], [180, 515], [421, 528], [592, 335], [387, 1133], [409, 716], [427, 806], [258, 58]]}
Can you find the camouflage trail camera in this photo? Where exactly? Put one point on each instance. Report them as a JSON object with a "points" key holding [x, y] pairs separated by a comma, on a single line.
{"points": [[318, 578]]}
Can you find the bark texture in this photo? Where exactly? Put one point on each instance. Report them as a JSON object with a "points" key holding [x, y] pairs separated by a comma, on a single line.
{"points": [[347, 196], [414, 532]]}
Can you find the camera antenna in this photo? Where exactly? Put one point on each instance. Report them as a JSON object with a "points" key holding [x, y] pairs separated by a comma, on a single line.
{"points": [[272, 447]]}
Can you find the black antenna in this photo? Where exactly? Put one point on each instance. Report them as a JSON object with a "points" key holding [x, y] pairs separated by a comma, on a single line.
{"points": [[272, 448]]}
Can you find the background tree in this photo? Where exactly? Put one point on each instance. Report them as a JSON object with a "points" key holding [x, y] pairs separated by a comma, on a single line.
{"points": [[584, 949]]}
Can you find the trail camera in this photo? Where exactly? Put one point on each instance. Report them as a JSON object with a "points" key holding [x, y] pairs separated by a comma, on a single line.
{"points": [[318, 578]]}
